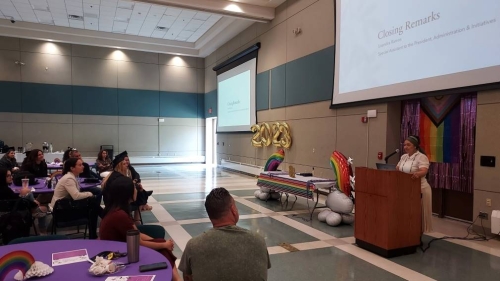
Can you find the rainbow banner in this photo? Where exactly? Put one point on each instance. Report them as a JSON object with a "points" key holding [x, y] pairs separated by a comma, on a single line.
{"points": [[442, 141]]}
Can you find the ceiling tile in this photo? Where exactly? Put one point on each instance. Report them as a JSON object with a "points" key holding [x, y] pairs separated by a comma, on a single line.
{"points": [[109, 3], [173, 12], [126, 4], [185, 34], [19, 1], [92, 2], [201, 16], [188, 14], [158, 34]]}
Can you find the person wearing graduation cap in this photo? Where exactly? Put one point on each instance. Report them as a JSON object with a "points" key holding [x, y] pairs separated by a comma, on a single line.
{"points": [[121, 168]]}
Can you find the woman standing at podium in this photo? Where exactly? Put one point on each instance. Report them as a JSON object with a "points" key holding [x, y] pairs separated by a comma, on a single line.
{"points": [[416, 163]]}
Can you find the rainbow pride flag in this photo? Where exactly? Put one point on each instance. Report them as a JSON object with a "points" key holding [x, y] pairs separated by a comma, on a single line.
{"points": [[441, 142]]}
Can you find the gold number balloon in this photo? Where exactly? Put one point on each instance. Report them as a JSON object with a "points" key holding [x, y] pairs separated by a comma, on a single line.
{"points": [[286, 139], [256, 139], [278, 134], [265, 134]]}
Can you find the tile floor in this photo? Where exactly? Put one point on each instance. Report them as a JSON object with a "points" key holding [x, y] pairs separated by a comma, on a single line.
{"points": [[325, 253]]}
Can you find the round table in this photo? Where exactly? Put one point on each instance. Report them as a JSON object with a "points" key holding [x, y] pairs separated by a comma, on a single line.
{"points": [[42, 251], [41, 186]]}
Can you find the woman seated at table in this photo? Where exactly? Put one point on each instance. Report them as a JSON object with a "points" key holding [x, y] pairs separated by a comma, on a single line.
{"points": [[35, 164], [68, 187], [137, 180], [120, 192], [104, 164], [9, 161], [6, 193], [121, 167]]}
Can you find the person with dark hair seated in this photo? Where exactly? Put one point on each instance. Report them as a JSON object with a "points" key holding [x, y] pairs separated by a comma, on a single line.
{"points": [[74, 153], [104, 164], [35, 164], [6, 193], [119, 192], [121, 168], [225, 252], [68, 186], [137, 180], [9, 161]]}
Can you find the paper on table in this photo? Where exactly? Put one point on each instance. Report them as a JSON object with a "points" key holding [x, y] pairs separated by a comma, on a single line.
{"points": [[74, 256], [131, 278]]}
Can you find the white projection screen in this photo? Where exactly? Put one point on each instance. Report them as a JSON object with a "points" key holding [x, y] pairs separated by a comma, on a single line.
{"points": [[236, 98], [389, 48]]}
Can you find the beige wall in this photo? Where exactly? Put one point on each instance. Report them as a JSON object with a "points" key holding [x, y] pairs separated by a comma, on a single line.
{"points": [[78, 65], [316, 129], [487, 179]]}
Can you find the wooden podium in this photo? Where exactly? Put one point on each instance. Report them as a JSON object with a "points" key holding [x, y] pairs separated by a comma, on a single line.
{"points": [[388, 212]]}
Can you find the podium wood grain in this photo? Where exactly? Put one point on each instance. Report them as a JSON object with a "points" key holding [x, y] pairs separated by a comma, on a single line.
{"points": [[388, 211]]}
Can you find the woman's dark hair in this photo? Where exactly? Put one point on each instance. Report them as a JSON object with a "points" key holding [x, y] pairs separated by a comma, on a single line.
{"points": [[70, 163], [32, 157], [415, 140], [3, 178], [6, 155], [99, 156], [118, 194]]}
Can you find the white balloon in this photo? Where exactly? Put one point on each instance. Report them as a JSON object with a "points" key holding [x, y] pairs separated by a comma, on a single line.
{"points": [[348, 218], [333, 219], [257, 193], [323, 214], [264, 196], [275, 195], [265, 189], [338, 202]]}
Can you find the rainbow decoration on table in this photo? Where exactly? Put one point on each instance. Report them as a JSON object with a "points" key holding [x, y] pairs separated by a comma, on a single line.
{"points": [[343, 171], [440, 141], [275, 160], [20, 260]]}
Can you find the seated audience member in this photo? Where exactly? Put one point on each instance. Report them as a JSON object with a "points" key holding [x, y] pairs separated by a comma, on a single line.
{"points": [[69, 187], [121, 168], [74, 153], [104, 164], [6, 193], [35, 164], [137, 180], [9, 161], [225, 252], [120, 192]]}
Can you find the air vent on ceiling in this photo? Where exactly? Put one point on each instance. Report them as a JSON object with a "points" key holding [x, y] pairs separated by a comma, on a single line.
{"points": [[161, 28], [75, 17], [42, 8]]}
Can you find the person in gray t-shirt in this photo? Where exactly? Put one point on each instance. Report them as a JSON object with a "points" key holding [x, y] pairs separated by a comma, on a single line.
{"points": [[225, 252]]}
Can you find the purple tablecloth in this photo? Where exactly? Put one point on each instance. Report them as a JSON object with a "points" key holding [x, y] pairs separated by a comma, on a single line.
{"points": [[41, 186], [42, 251], [54, 166]]}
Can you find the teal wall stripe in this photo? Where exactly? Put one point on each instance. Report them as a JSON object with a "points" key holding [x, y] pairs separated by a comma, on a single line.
{"points": [[201, 106], [95, 101], [310, 78], [278, 86], [23, 97], [10, 96], [181, 105], [138, 103], [211, 102], [46, 98], [262, 90]]}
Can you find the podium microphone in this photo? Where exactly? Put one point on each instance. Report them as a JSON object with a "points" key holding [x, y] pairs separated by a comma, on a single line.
{"points": [[390, 155]]}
